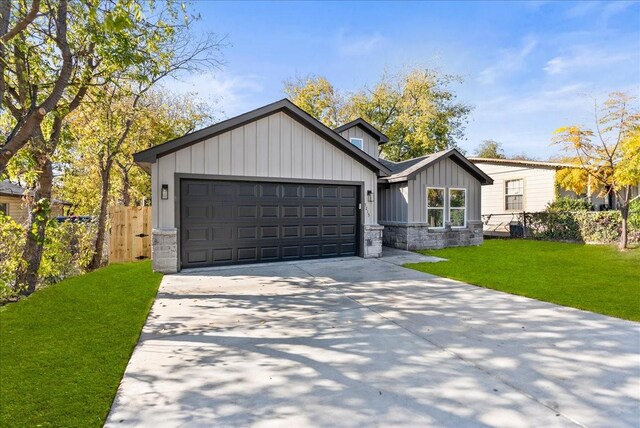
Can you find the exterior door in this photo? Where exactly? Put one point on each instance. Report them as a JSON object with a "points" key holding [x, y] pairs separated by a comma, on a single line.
{"points": [[229, 222]]}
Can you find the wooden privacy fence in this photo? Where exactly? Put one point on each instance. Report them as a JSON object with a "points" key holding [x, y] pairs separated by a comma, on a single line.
{"points": [[130, 236]]}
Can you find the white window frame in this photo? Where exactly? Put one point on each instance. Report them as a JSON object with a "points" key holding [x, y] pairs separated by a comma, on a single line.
{"points": [[6, 208], [360, 144], [504, 192], [444, 206], [464, 224]]}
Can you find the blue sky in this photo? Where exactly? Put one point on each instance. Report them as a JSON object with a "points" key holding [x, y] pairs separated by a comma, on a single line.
{"points": [[528, 67]]}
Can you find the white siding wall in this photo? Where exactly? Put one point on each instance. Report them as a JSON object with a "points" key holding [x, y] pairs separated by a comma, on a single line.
{"points": [[275, 146], [445, 173], [539, 187], [369, 144]]}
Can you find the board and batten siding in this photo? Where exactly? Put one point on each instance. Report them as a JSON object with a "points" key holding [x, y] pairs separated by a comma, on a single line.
{"points": [[445, 173], [539, 187], [276, 146], [393, 202], [369, 143]]}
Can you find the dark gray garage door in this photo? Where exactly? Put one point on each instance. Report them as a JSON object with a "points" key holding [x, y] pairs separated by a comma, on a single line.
{"points": [[227, 222]]}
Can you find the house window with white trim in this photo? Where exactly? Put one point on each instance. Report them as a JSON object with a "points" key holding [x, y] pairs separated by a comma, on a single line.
{"points": [[513, 195], [435, 207], [358, 142], [458, 207], [4, 208]]}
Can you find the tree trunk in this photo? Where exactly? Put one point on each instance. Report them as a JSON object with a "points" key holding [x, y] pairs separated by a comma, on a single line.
{"points": [[105, 175], [27, 275], [624, 212], [126, 187]]}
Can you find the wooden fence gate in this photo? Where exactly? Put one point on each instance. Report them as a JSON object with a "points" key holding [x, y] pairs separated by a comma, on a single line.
{"points": [[130, 236]]}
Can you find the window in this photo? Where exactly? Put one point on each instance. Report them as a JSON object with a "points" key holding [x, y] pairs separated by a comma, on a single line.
{"points": [[4, 209], [458, 207], [513, 194], [435, 207], [357, 142]]}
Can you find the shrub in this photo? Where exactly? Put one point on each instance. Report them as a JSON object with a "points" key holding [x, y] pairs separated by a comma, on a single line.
{"points": [[12, 237], [600, 227], [566, 203], [68, 249]]}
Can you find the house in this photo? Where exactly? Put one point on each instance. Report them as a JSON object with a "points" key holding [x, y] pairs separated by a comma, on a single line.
{"points": [[524, 185], [432, 202], [12, 202], [276, 184]]}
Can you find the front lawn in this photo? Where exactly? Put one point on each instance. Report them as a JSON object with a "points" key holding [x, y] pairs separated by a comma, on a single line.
{"points": [[595, 278], [64, 349]]}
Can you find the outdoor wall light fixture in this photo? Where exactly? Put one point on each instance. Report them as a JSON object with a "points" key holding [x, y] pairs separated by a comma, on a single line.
{"points": [[164, 194], [369, 196]]}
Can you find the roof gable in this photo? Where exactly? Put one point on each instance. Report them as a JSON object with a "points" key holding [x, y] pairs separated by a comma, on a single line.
{"points": [[149, 156], [365, 126], [407, 170]]}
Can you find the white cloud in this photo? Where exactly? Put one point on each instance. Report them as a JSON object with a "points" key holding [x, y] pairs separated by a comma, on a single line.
{"points": [[587, 58], [361, 45], [508, 61], [232, 94]]}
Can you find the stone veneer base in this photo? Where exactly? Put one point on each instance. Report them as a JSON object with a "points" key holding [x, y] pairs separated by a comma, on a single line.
{"points": [[372, 241], [164, 250], [418, 236]]}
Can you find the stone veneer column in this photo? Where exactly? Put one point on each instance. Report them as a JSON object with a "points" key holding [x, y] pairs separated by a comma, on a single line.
{"points": [[164, 250], [372, 241]]}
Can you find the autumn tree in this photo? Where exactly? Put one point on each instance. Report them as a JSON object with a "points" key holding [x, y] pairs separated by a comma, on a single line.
{"points": [[53, 52], [98, 165], [609, 152], [415, 109], [490, 149]]}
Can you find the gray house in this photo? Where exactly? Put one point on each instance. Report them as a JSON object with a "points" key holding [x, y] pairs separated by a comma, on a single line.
{"points": [[432, 202], [276, 184]]}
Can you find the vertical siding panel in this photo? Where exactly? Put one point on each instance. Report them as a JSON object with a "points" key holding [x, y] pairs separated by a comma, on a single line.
{"points": [[167, 169], [275, 141], [297, 149], [224, 153], [211, 155], [285, 142], [197, 158], [337, 163], [328, 164], [183, 160], [262, 144], [155, 196], [307, 153], [237, 151], [250, 149]]}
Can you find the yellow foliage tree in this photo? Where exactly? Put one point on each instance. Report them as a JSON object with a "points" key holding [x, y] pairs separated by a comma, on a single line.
{"points": [[610, 154]]}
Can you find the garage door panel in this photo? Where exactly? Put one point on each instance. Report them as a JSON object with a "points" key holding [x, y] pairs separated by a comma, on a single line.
{"points": [[226, 222]]}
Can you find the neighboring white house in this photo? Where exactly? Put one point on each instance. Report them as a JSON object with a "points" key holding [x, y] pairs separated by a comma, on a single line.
{"points": [[523, 185]]}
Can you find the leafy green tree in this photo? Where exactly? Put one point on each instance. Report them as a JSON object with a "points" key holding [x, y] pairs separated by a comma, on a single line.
{"points": [[415, 109], [53, 52], [490, 149], [105, 133], [609, 153]]}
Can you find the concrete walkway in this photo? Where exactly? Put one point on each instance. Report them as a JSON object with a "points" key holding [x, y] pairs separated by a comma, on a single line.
{"points": [[353, 342]]}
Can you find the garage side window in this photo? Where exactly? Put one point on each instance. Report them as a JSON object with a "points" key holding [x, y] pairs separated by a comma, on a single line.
{"points": [[513, 194], [358, 142], [435, 207], [458, 207]]}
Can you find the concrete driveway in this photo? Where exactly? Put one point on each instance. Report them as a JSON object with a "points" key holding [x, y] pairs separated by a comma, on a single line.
{"points": [[354, 342]]}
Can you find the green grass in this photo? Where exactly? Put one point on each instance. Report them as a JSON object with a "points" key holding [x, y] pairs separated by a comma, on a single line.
{"points": [[594, 278], [64, 349]]}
